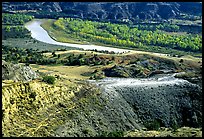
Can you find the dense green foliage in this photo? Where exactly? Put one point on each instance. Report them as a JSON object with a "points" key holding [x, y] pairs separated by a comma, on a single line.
{"points": [[49, 79], [31, 56], [165, 27], [13, 25], [123, 35], [14, 32], [14, 54], [15, 19]]}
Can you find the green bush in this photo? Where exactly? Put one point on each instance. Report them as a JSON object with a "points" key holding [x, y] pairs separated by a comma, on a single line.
{"points": [[112, 134], [49, 79], [153, 125]]}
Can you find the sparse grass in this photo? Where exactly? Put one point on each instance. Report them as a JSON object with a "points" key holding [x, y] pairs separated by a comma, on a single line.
{"points": [[28, 43], [186, 75], [36, 119], [80, 72], [175, 33], [166, 132], [69, 72], [186, 22], [36, 109]]}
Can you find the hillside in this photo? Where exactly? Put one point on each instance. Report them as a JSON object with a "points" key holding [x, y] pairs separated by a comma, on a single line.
{"points": [[120, 11], [77, 108]]}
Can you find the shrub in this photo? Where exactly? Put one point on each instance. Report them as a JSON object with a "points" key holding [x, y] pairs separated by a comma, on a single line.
{"points": [[27, 64], [181, 61], [116, 134], [81, 56], [53, 54], [153, 125], [87, 131], [112, 134], [49, 79]]}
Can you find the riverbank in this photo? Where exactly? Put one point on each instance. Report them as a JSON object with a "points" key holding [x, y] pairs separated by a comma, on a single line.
{"points": [[59, 33], [38, 33]]}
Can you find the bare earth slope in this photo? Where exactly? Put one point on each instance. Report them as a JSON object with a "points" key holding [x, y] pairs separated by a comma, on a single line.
{"points": [[107, 10]]}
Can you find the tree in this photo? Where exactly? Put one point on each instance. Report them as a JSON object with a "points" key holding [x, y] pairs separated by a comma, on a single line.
{"points": [[53, 54], [181, 61], [8, 28], [80, 56]]}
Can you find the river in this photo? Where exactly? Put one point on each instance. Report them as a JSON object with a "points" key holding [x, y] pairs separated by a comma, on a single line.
{"points": [[38, 33]]}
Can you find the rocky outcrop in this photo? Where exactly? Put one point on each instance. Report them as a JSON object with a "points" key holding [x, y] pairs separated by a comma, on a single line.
{"points": [[168, 103], [121, 106], [17, 72], [110, 10], [82, 110], [131, 71]]}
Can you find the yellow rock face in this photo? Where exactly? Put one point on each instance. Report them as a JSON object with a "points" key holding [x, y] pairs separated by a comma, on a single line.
{"points": [[24, 103]]}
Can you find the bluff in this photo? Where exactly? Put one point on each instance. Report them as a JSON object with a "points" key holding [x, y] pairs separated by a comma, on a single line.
{"points": [[113, 11]]}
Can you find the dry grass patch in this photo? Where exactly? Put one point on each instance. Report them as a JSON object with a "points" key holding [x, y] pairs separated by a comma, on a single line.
{"points": [[69, 72]]}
